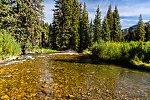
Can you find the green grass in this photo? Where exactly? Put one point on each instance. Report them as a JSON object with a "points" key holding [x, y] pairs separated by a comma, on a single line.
{"points": [[87, 51], [43, 50], [140, 65]]}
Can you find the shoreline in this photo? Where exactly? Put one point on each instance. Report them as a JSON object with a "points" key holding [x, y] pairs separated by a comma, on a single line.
{"points": [[132, 64], [10, 58], [125, 63]]}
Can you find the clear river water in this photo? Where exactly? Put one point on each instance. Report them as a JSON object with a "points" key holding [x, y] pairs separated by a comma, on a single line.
{"points": [[71, 77]]}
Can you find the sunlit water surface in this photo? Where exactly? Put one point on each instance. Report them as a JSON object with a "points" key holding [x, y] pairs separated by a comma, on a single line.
{"points": [[68, 77]]}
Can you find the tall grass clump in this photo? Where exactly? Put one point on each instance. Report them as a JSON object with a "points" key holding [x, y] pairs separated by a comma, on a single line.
{"points": [[8, 45]]}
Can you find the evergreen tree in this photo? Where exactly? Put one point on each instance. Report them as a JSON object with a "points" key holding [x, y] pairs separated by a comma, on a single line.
{"points": [[106, 30], [29, 19], [7, 18], [23, 18], [74, 25], [90, 32], [117, 33], [55, 24], [97, 26], [80, 29], [140, 35], [110, 21], [64, 25], [45, 35], [50, 36], [132, 34], [85, 19], [147, 35], [55, 31], [83, 30]]}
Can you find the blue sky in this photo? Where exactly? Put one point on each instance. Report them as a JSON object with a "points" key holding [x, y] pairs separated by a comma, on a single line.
{"points": [[129, 10]]}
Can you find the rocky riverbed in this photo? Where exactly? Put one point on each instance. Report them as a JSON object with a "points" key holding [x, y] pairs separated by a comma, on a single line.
{"points": [[71, 77]]}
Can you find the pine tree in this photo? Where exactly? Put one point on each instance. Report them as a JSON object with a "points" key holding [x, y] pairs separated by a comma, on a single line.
{"points": [[83, 30], [90, 32], [116, 32], [140, 35], [64, 25], [45, 35], [106, 30], [97, 26], [110, 20], [85, 19], [23, 19], [132, 34], [7, 20], [147, 35], [55, 25], [50, 33], [29, 19], [81, 35], [74, 25]]}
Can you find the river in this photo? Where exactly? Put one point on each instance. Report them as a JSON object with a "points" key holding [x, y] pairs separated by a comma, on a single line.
{"points": [[71, 77]]}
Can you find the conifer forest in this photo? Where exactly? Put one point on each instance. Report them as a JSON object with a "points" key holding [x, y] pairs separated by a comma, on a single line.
{"points": [[71, 28]]}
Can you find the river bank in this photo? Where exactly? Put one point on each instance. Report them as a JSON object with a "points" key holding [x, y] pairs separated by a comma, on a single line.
{"points": [[30, 56], [7, 58], [133, 54], [124, 63]]}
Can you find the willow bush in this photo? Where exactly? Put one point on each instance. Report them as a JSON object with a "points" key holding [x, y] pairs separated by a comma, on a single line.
{"points": [[122, 50], [8, 45]]}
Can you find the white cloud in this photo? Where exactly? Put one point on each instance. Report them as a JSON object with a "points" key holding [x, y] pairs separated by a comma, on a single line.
{"points": [[127, 8], [133, 11]]}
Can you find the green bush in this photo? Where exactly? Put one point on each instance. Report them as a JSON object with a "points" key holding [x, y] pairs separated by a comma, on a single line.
{"points": [[124, 50], [146, 51], [8, 45]]}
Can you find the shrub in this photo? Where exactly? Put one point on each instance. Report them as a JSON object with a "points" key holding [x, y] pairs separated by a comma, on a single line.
{"points": [[8, 45], [124, 50]]}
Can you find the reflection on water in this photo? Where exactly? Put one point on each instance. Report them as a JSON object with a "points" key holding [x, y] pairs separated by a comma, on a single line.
{"points": [[63, 77]]}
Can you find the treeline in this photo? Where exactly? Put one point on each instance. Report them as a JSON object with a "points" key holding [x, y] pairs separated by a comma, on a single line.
{"points": [[71, 28], [134, 49], [23, 20], [140, 32]]}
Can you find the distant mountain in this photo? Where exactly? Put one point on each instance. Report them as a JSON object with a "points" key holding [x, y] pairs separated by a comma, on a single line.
{"points": [[135, 26], [125, 31]]}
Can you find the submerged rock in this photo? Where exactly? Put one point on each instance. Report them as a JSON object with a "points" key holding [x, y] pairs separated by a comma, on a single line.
{"points": [[6, 76], [5, 97], [29, 57]]}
